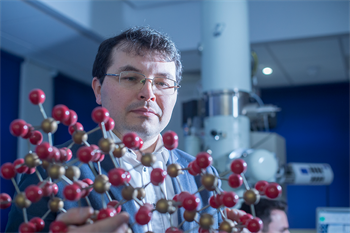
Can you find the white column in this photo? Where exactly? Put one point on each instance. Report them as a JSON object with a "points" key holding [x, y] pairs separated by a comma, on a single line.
{"points": [[34, 76]]}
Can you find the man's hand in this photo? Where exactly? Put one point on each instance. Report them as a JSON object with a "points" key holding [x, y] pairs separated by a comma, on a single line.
{"points": [[234, 215], [78, 216]]}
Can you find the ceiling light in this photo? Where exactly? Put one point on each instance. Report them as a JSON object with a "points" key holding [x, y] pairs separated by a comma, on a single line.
{"points": [[267, 71]]}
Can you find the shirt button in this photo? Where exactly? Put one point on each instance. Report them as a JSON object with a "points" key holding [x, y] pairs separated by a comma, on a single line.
{"points": [[144, 169]]}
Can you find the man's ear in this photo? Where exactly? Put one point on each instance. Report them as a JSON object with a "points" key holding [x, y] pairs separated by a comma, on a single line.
{"points": [[96, 86]]}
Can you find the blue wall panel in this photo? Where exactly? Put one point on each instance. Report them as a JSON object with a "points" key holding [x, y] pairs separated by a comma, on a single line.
{"points": [[9, 95], [315, 123]]}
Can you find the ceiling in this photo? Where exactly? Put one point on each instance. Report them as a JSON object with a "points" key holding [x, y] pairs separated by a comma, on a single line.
{"points": [[304, 42]]}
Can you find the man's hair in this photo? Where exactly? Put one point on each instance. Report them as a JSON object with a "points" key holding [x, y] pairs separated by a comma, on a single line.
{"points": [[264, 208], [140, 41]]}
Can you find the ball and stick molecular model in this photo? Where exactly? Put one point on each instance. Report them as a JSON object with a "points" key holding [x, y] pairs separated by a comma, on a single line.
{"points": [[60, 166]]}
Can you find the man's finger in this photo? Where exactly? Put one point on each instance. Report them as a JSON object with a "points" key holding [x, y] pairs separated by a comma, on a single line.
{"points": [[234, 214], [113, 224], [75, 216]]}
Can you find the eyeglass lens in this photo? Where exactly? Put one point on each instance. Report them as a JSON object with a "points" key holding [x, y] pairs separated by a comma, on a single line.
{"points": [[135, 81]]}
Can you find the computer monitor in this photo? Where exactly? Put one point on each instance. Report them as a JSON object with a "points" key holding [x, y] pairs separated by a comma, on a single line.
{"points": [[333, 220]]}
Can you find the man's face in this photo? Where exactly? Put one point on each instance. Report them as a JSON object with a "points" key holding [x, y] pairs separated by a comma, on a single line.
{"points": [[279, 222], [141, 111]]}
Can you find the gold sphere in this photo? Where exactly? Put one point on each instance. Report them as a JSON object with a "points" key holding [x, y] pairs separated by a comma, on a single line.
{"points": [[73, 172], [101, 184], [32, 160], [21, 201], [251, 196], [106, 145], [79, 137], [206, 221], [119, 152], [227, 226], [174, 170], [209, 181], [189, 216], [56, 171], [45, 164], [162, 206], [148, 159], [49, 125], [56, 204], [141, 193], [128, 193]]}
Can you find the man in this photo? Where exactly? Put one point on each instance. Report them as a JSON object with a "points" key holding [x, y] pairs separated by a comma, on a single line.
{"points": [[136, 76], [272, 213]]}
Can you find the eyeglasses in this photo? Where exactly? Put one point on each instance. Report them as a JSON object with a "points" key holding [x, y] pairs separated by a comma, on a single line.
{"points": [[135, 81]]}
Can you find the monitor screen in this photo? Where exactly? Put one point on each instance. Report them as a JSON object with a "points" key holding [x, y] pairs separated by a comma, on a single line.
{"points": [[333, 220]]}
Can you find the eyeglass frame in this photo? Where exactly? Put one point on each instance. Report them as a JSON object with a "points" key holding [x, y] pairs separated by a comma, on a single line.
{"points": [[177, 86]]}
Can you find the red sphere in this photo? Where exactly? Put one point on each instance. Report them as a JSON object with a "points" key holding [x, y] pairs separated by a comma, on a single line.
{"points": [[203, 160], [89, 183], [30, 170], [215, 202], [131, 140], [118, 176], [27, 227], [229, 199], [54, 188], [60, 112], [113, 204], [30, 131], [21, 169], [109, 125], [75, 127], [82, 185], [58, 227], [261, 186], [141, 144], [72, 119], [38, 223], [37, 96], [190, 202], [273, 190], [36, 138], [235, 180], [143, 215], [173, 230], [47, 188], [170, 140], [19, 128], [201, 230], [4, 197], [254, 225], [85, 154], [157, 176], [54, 155], [100, 114], [194, 169], [8, 171], [65, 154], [181, 197], [43, 150], [245, 218], [72, 192], [238, 166], [33, 193], [96, 152], [106, 213]]}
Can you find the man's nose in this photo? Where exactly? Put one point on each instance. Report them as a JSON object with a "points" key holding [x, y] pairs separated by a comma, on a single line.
{"points": [[146, 93]]}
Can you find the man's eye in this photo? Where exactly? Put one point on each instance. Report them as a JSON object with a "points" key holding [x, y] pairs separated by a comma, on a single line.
{"points": [[162, 84], [129, 79]]}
